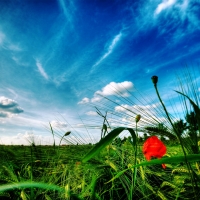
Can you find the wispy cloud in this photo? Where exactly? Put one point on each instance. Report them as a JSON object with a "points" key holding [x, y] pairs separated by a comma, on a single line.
{"points": [[8, 44], [180, 7], [91, 113], [41, 70], [14, 47], [19, 61], [59, 124], [68, 10], [2, 37], [110, 49], [183, 13], [84, 101], [179, 18], [176, 59], [164, 5]]}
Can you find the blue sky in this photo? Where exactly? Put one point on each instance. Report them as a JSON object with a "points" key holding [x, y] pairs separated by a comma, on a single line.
{"points": [[58, 58]]}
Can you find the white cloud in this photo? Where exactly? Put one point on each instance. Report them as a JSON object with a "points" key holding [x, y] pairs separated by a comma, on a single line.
{"points": [[164, 5], [84, 101], [118, 89], [110, 49], [41, 70], [27, 138], [96, 98], [8, 107], [7, 103], [91, 113], [58, 124]]}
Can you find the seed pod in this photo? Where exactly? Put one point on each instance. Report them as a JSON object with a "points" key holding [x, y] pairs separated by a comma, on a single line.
{"points": [[67, 133], [137, 118], [154, 79]]}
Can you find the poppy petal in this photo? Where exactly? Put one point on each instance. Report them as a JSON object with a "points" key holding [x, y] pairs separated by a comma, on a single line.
{"points": [[163, 166], [153, 147]]}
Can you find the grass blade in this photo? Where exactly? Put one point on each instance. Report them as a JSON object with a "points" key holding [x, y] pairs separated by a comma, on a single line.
{"points": [[196, 108], [30, 185], [106, 140]]}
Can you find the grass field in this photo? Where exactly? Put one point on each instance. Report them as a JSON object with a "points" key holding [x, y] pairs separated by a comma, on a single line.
{"points": [[66, 177]]}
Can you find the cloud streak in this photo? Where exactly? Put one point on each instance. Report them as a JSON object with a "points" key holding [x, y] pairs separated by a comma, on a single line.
{"points": [[8, 44], [68, 10], [110, 49], [41, 70], [91, 113], [164, 5], [58, 124]]}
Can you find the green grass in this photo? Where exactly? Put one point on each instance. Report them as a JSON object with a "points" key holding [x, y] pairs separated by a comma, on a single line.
{"points": [[60, 175]]}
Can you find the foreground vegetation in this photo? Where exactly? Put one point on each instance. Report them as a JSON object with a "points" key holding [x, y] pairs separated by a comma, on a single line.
{"points": [[113, 168], [27, 168]]}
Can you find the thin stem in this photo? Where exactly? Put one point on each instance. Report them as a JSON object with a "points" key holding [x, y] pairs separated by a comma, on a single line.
{"points": [[54, 144], [179, 138], [134, 177], [61, 140]]}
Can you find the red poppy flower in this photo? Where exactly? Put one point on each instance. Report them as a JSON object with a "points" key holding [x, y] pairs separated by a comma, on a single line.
{"points": [[153, 147]]}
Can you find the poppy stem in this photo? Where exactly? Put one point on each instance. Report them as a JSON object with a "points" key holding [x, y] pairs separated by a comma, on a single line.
{"points": [[179, 138]]}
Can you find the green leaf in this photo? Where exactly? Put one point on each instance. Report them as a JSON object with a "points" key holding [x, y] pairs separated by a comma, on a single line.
{"points": [[117, 176], [30, 185], [176, 159], [108, 139]]}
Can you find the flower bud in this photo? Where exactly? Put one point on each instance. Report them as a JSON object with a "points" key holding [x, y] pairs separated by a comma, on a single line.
{"points": [[137, 118], [67, 133], [154, 79]]}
